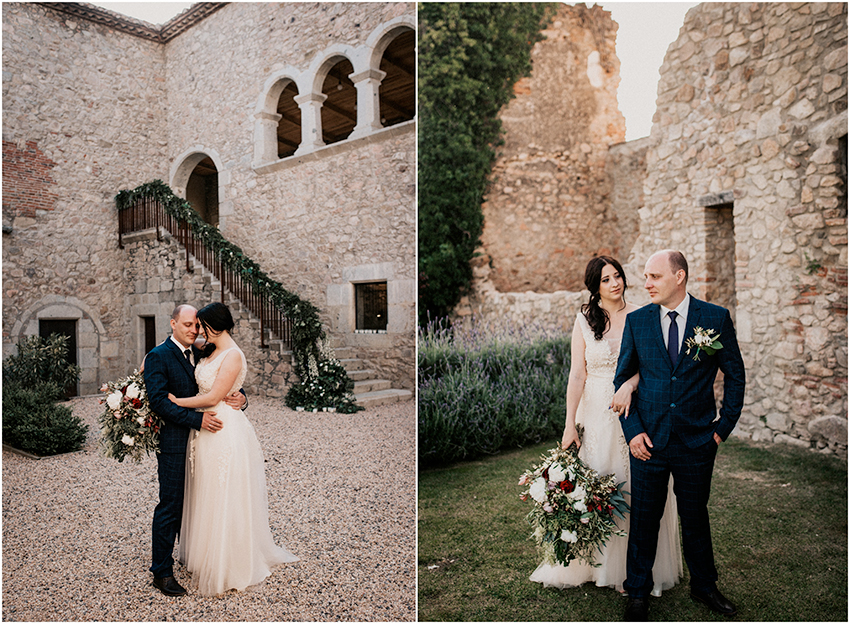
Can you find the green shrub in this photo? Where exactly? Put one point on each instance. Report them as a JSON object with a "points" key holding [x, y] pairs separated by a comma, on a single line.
{"points": [[483, 389], [42, 361], [34, 422]]}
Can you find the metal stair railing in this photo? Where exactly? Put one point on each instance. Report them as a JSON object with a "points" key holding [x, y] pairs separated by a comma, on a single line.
{"points": [[147, 213]]}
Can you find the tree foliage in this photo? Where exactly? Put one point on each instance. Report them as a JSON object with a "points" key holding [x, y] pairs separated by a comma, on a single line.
{"points": [[470, 56]]}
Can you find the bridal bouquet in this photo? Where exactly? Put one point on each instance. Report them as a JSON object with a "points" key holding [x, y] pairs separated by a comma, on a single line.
{"points": [[574, 508], [128, 427]]}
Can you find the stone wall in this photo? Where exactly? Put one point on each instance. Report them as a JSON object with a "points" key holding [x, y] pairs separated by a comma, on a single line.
{"points": [[745, 160], [316, 222], [90, 110], [83, 117], [158, 279], [548, 209]]}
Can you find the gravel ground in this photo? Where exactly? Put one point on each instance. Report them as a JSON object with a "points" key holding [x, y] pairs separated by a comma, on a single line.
{"points": [[342, 496]]}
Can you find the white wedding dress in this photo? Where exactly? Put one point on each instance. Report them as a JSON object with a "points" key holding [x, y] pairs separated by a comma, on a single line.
{"points": [[603, 448], [225, 540]]}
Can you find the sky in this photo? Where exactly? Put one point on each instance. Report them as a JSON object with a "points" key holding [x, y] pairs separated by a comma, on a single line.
{"points": [[646, 29]]}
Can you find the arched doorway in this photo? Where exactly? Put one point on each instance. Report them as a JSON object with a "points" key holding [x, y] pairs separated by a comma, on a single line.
{"points": [[202, 190]]}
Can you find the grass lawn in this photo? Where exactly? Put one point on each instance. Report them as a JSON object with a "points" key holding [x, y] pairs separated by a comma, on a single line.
{"points": [[779, 527]]}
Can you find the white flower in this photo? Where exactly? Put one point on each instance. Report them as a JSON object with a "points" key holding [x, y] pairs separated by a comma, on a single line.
{"points": [[556, 473], [133, 391], [580, 506], [141, 420], [128, 440], [568, 536], [577, 494], [537, 491], [114, 400]]}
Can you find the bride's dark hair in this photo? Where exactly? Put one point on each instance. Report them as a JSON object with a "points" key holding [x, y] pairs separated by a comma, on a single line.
{"points": [[596, 317], [214, 317]]}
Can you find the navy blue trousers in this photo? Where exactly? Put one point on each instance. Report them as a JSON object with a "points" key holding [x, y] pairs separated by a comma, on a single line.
{"points": [[691, 470], [168, 514]]}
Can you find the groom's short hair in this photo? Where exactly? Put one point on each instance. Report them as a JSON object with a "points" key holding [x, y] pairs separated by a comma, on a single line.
{"points": [[678, 262]]}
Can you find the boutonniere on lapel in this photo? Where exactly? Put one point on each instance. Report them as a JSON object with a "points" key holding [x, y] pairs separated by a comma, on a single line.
{"points": [[703, 340]]}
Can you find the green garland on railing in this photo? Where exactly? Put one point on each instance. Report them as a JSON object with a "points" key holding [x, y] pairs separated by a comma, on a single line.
{"points": [[324, 382]]}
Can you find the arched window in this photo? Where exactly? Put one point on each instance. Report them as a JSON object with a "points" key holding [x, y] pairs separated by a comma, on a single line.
{"points": [[289, 126], [398, 89], [339, 110], [202, 190]]}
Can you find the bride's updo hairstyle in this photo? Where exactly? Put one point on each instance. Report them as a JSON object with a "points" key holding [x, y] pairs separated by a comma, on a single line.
{"points": [[214, 318], [596, 317]]}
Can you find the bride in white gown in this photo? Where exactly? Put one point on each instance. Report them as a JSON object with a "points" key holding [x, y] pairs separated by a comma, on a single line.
{"points": [[590, 394], [225, 540]]}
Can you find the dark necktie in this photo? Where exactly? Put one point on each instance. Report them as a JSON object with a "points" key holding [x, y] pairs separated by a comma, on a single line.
{"points": [[187, 353], [673, 338]]}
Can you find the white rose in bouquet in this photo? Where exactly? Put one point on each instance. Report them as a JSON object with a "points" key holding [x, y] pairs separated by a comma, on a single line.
{"points": [[114, 400], [569, 536], [141, 420], [128, 440], [538, 490], [557, 473], [133, 391], [578, 494]]}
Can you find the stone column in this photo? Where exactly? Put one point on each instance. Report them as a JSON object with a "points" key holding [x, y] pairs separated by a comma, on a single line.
{"points": [[311, 121], [368, 84], [265, 137]]}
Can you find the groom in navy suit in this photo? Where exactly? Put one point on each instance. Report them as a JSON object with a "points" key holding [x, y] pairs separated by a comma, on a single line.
{"points": [[170, 368], [673, 426]]}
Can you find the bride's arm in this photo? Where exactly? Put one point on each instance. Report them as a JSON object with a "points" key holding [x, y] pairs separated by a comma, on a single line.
{"points": [[227, 374], [575, 386]]}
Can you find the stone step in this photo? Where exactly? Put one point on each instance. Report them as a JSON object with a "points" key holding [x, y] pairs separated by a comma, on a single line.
{"points": [[360, 375], [352, 364], [382, 397], [371, 385]]}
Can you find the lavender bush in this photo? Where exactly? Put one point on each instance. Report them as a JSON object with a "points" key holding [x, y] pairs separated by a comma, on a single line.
{"points": [[486, 387]]}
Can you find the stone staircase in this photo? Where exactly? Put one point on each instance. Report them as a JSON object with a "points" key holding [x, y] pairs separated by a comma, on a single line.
{"points": [[369, 391]]}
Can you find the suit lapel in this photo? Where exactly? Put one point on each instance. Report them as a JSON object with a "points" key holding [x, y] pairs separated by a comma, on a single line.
{"points": [[694, 316], [179, 355], [657, 335]]}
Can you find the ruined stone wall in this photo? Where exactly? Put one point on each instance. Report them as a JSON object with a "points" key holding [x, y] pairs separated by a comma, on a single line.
{"points": [[745, 161], [83, 117], [316, 223], [548, 210]]}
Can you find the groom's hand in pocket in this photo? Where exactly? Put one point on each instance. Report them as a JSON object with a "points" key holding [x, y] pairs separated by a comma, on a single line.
{"points": [[211, 423]]}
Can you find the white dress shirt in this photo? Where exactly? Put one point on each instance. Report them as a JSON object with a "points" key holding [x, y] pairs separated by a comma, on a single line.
{"points": [[681, 320]]}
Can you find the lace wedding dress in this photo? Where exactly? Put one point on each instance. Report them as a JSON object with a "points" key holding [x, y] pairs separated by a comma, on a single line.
{"points": [[225, 540], [603, 448]]}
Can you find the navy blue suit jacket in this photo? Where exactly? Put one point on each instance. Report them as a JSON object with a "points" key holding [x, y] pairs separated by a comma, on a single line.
{"points": [[166, 370], [680, 398]]}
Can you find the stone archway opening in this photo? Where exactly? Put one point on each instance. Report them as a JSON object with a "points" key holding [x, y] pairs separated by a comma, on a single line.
{"points": [[202, 191], [398, 88], [339, 110], [289, 126]]}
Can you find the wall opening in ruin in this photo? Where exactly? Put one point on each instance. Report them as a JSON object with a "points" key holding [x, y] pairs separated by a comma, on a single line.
{"points": [[339, 110], [398, 88], [289, 126], [202, 190]]}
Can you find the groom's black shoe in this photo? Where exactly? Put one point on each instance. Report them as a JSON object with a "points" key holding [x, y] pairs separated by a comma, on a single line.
{"points": [[715, 601], [637, 610], [169, 586]]}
